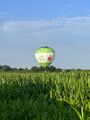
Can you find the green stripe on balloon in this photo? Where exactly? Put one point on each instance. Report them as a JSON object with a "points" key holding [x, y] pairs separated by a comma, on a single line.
{"points": [[45, 50]]}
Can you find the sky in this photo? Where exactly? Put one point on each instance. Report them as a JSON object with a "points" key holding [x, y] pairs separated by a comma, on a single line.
{"points": [[26, 25]]}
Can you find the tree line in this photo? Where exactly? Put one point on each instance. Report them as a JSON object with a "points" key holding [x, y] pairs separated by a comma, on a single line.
{"points": [[34, 69]]}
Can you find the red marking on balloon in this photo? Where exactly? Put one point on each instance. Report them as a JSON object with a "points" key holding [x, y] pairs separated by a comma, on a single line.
{"points": [[49, 58]]}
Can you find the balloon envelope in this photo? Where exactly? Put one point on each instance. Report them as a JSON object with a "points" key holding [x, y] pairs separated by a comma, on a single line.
{"points": [[45, 56]]}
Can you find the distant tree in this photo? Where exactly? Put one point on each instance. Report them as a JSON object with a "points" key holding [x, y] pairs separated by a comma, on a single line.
{"points": [[52, 69], [34, 69], [26, 69], [14, 69], [67, 70], [43, 69], [20, 69], [78, 69], [58, 70], [6, 68], [0, 67]]}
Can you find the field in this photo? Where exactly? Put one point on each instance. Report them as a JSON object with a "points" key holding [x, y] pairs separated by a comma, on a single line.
{"points": [[45, 96]]}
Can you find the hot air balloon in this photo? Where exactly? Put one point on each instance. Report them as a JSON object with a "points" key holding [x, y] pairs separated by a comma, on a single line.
{"points": [[45, 55]]}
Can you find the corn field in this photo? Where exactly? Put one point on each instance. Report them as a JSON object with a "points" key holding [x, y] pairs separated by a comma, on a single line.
{"points": [[45, 96]]}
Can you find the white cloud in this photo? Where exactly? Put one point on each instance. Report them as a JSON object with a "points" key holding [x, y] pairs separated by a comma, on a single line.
{"points": [[51, 28], [66, 22]]}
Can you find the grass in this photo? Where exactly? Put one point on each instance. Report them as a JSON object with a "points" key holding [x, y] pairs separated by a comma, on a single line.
{"points": [[45, 96]]}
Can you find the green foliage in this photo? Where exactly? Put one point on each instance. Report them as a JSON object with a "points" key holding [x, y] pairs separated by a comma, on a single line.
{"points": [[5, 68], [45, 96]]}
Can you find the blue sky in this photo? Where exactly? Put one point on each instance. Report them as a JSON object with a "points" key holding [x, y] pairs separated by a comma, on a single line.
{"points": [[26, 25]]}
